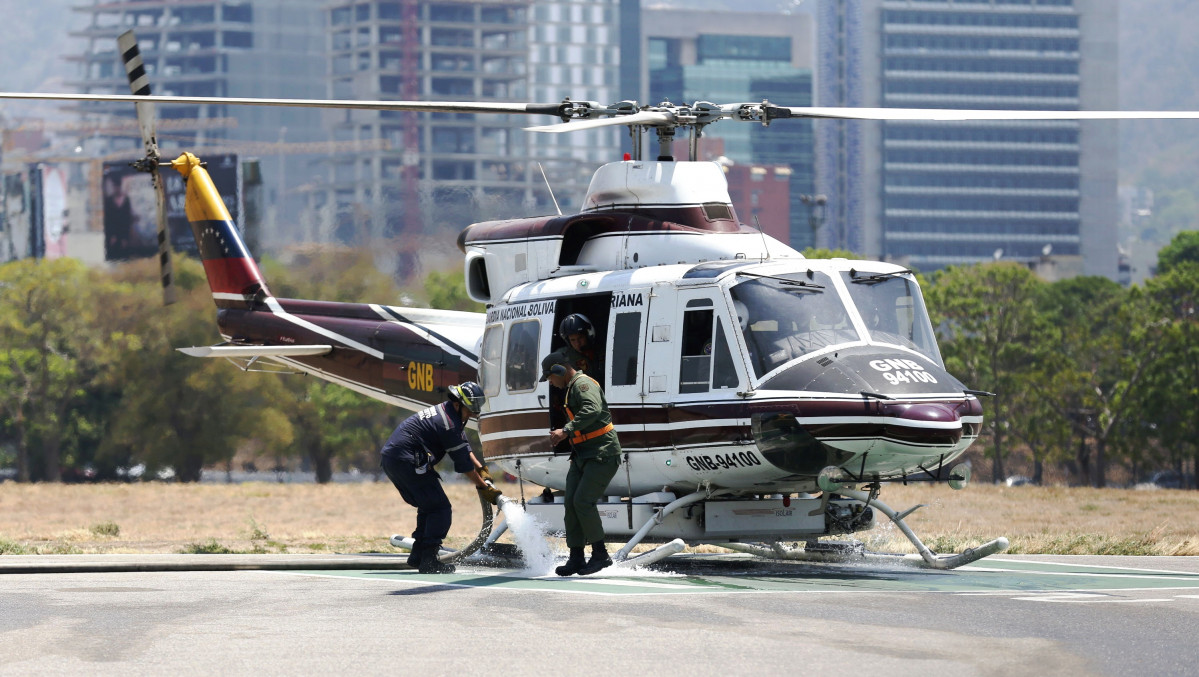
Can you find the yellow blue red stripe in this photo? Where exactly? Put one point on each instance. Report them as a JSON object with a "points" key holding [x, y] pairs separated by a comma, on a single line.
{"points": [[230, 268]]}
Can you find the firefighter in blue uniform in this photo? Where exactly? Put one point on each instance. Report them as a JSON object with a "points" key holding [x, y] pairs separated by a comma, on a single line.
{"points": [[418, 444], [594, 459]]}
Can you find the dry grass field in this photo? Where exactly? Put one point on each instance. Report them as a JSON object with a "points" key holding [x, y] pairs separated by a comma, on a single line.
{"points": [[352, 518]]}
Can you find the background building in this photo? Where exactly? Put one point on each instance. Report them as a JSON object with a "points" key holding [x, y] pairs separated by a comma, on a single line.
{"points": [[248, 48], [726, 57], [580, 50], [933, 195], [439, 171]]}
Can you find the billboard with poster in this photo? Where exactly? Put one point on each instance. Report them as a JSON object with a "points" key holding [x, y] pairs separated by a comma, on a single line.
{"points": [[54, 225], [130, 225]]}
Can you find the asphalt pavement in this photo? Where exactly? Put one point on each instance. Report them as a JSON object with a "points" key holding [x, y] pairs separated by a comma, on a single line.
{"points": [[702, 614]]}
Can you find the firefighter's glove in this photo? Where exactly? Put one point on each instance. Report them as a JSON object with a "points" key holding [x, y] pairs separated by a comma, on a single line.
{"points": [[485, 474], [490, 494]]}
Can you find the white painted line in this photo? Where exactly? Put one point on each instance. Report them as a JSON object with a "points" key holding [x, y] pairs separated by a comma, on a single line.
{"points": [[1067, 599], [1177, 575], [1090, 566]]}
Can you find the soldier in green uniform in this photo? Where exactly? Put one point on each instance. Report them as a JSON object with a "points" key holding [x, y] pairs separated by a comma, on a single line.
{"points": [[594, 459]]}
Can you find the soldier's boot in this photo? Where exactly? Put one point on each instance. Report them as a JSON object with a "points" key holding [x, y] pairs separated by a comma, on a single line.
{"points": [[429, 564], [573, 564], [414, 557], [599, 559]]}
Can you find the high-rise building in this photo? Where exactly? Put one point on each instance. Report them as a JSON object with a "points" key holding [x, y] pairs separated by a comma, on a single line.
{"points": [[246, 48], [442, 170], [580, 50], [729, 57], [937, 194]]}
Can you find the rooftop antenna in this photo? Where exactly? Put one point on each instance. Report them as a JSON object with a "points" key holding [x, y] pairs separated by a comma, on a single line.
{"points": [[549, 188], [765, 248]]}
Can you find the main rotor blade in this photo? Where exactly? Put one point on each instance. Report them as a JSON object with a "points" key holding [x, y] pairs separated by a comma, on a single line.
{"points": [[951, 115], [642, 118], [554, 109]]}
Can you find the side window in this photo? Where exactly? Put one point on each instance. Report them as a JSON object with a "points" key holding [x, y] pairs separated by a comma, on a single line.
{"points": [[695, 366], [523, 339], [724, 372], [489, 361], [626, 344]]}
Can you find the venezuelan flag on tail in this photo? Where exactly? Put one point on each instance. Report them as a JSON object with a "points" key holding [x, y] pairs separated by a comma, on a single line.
{"points": [[232, 274]]}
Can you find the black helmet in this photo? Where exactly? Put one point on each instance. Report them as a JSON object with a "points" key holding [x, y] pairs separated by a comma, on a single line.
{"points": [[576, 324], [469, 395]]}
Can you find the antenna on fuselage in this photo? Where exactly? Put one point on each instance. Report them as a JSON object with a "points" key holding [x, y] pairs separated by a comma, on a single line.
{"points": [[765, 248], [549, 188]]}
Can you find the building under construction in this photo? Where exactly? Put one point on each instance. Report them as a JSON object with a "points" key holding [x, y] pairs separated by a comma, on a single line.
{"points": [[246, 48], [441, 170]]}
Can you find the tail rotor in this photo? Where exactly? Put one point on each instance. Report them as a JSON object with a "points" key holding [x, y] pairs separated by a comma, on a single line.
{"points": [[139, 84]]}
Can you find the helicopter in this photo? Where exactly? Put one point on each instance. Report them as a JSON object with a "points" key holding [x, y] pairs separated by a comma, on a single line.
{"points": [[762, 398]]}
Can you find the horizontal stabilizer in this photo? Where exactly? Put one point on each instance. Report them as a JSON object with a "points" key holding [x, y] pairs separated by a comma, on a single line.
{"points": [[255, 351]]}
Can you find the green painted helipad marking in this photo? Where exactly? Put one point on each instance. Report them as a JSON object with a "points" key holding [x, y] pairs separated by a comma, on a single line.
{"points": [[989, 576]]}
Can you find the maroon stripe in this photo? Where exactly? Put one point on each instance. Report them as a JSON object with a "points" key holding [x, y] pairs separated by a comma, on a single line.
{"points": [[648, 220]]}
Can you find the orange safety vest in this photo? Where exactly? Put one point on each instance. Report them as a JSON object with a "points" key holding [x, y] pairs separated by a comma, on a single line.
{"points": [[580, 436]]}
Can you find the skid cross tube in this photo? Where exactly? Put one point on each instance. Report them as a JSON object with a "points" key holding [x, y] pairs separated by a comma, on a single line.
{"points": [[931, 559], [661, 513]]}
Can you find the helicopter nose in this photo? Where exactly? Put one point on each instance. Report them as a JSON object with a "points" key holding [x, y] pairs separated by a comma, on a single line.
{"points": [[925, 423]]}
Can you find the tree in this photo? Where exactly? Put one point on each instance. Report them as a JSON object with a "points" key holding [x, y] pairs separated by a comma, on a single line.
{"points": [[447, 291], [332, 421], [1183, 248], [1171, 394], [57, 338], [814, 253], [347, 276], [182, 412], [1109, 337], [986, 317]]}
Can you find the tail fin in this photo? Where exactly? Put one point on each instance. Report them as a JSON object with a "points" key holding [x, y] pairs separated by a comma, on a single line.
{"points": [[232, 274]]}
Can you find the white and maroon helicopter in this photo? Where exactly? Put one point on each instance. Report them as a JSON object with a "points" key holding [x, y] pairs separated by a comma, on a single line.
{"points": [[762, 398]]}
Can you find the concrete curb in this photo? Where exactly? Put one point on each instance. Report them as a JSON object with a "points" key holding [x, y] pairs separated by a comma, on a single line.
{"points": [[73, 564]]}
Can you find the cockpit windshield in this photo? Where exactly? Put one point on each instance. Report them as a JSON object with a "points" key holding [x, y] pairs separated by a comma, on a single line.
{"points": [[893, 311], [784, 317]]}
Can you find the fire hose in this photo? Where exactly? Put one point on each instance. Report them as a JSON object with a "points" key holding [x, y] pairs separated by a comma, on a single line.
{"points": [[452, 556]]}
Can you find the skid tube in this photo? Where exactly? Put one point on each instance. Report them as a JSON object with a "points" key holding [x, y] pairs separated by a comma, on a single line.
{"points": [[926, 558]]}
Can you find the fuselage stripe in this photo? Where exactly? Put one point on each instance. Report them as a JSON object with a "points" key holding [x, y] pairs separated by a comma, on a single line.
{"points": [[426, 333], [278, 310]]}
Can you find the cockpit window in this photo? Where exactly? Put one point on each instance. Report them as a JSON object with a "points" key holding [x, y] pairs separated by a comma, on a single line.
{"points": [[784, 317], [894, 311]]}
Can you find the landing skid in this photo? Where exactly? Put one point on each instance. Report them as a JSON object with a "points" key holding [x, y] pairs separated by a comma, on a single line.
{"points": [[814, 551], [847, 552], [506, 553], [854, 552]]}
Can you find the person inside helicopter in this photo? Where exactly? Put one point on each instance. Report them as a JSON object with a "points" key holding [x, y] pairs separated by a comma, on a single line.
{"points": [[585, 354], [582, 348]]}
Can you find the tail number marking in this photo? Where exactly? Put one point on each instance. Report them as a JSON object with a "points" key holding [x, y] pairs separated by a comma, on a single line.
{"points": [[420, 376], [902, 371], [742, 459]]}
